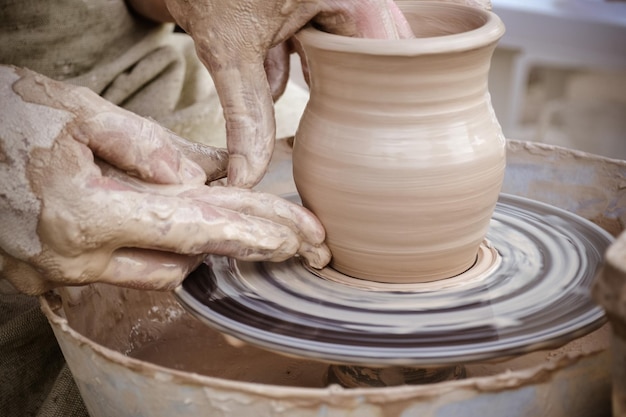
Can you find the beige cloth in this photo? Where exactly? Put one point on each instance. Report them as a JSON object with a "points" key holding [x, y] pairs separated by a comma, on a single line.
{"points": [[139, 65], [34, 379]]}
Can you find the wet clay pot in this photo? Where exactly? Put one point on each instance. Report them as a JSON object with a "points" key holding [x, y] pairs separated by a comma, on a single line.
{"points": [[399, 152]]}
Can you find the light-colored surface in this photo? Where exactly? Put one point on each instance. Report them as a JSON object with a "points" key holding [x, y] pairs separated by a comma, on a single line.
{"points": [[407, 123], [590, 115], [570, 382], [546, 43]]}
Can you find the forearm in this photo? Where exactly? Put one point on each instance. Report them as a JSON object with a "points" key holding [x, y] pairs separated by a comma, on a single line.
{"points": [[152, 9]]}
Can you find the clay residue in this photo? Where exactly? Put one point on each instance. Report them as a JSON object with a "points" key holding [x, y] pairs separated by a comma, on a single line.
{"points": [[153, 327], [24, 126], [612, 225], [594, 342], [226, 372], [591, 186], [190, 346]]}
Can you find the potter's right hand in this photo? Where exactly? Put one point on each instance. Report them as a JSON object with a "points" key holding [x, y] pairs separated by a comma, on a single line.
{"points": [[484, 4], [233, 39], [90, 192]]}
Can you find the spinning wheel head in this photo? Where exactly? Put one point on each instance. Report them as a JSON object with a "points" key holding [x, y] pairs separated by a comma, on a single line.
{"points": [[528, 290]]}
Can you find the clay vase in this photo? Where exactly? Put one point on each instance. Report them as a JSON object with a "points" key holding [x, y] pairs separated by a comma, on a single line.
{"points": [[399, 152]]}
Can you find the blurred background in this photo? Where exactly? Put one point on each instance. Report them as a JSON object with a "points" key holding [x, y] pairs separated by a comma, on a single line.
{"points": [[559, 73]]}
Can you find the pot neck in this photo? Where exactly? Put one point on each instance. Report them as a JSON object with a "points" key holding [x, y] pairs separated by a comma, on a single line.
{"points": [[430, 80]]}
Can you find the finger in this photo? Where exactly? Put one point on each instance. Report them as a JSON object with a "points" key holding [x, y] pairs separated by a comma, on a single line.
{"points": [[249, 113], [402, 25], [302, 222], [186, 226], [263, 205], [371, 19], [237, 205], [317, 256], [483, 4], [214, 161], [277, 69], [310, 231], [148, 269], [363, 19], [138, 146]]}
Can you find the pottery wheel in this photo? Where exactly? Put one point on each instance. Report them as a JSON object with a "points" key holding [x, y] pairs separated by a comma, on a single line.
{"points": [[529, 290]]}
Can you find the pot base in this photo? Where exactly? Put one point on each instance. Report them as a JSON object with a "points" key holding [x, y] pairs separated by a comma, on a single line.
{"points": [[487, 261]]}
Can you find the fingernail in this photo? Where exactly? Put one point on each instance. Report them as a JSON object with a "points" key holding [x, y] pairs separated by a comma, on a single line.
{"points": [[317, 256], [190, 172]]}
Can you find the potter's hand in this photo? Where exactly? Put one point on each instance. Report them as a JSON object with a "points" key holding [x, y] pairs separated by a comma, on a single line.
{"points": [[143, 218], [484, 4], [481, 4], [233, 38]]}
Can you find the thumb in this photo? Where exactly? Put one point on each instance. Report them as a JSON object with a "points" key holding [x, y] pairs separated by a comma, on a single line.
{"points": [[249, 112]]}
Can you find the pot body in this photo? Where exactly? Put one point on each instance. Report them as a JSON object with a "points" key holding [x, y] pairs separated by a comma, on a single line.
{"points": [[399, 152]]}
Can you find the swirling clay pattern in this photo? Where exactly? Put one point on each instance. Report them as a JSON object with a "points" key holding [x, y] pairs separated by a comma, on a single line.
{"points": [[532, 293]]}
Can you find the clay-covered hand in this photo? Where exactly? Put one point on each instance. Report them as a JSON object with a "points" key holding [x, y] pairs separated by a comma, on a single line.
{"points": [[233, 37], [483, 4], [92, 193]]}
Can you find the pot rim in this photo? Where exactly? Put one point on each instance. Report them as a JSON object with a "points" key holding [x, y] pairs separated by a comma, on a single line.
{"points": [[490, 32]]}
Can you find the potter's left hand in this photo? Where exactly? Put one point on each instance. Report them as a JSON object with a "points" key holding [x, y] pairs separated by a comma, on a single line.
{"points": [[90, 192], [233, 39]]}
